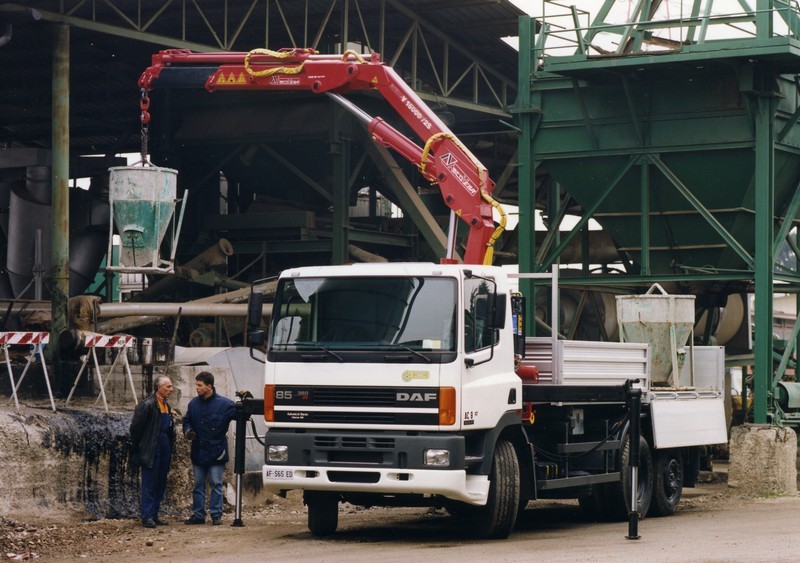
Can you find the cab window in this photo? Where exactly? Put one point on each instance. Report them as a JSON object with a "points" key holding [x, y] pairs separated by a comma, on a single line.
{"points": [[478, 296]]}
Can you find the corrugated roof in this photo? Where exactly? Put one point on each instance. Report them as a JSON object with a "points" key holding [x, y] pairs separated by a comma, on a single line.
{"points": [[104, 67]]}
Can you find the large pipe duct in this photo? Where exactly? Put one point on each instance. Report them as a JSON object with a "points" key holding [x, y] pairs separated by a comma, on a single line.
{"points": [[214, 258], [29, 210], [5, 194], [88, 233], [122, 324], [27, 215]]}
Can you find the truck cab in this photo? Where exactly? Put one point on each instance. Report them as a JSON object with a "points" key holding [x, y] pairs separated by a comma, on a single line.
{"points": [[389, 384]]}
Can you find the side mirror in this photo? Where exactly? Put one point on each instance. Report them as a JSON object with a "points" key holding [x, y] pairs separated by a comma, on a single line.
{"points": [[498, 318], [255, 339], [255, 311]]}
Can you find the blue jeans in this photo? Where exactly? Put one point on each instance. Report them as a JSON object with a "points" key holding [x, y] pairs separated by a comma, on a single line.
{"points": [[214, 474]]}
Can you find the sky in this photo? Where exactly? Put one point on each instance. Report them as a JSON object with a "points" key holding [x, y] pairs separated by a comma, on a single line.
{"points": [[622, 11]]}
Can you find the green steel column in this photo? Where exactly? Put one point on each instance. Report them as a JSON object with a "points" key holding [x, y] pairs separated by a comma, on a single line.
{"points": [[340, 152], [60, 189], [645, 222], [764, 12], [764, 207], [526, 171]]}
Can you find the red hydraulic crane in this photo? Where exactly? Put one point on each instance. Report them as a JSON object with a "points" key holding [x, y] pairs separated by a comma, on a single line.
{"points": [[463, 181]]}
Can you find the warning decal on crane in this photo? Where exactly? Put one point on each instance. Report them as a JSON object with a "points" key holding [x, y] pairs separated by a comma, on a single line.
{"points": [[231, 79]]}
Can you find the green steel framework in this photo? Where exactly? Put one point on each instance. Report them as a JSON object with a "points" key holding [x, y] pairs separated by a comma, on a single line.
{"points": [[686, 151]]}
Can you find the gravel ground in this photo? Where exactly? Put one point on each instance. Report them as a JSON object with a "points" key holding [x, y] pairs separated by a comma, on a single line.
{"points": [[712, 524]]}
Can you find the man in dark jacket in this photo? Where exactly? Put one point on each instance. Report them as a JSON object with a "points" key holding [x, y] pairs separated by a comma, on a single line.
{"points": [[152, 438], [206, 424]]}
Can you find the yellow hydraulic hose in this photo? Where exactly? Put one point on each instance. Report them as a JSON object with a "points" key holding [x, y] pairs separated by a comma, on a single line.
{"points": [[488, 257], [272, 70]]}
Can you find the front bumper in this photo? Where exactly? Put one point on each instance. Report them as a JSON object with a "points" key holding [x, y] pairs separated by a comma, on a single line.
{"points": [[456, 484], [391, 463]]}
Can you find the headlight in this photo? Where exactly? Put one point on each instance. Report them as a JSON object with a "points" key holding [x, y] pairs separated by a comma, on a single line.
{"points": [[440, 458], [278, 454]]}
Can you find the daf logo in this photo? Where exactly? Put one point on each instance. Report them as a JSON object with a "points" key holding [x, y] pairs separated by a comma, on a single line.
{"points": [[416, 397]]}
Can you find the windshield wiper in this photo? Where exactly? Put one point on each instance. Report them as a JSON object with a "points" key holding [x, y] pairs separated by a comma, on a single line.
{"points": [[409, 349], [393, 345], [320, 347]]}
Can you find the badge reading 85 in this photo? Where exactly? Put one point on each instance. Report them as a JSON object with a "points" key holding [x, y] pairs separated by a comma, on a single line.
{"points": [[409, 375]]}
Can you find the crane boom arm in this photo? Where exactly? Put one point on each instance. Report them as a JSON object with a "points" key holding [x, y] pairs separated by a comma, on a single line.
{"points": [[463, 181]]}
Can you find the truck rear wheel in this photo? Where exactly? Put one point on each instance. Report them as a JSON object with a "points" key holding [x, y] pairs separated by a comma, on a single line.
{"points": [[323, 512], [497, 518], [618, 494], [667, 482]]}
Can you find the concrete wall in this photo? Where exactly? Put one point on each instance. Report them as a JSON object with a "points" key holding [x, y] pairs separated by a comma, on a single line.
{"points": [[76, 459], [763, 460]]}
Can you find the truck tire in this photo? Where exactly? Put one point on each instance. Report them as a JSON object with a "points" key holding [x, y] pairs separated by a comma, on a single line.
{"points": [[323, 512], [497, 518], [667, 482], [618, 494]]}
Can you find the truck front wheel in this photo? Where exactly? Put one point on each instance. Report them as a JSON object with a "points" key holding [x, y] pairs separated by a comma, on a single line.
{"points": [[323, 512], [667, 482], [497, 518]]}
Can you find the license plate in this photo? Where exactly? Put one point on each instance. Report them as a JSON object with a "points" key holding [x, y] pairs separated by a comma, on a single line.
{"points": [[278, 474]]}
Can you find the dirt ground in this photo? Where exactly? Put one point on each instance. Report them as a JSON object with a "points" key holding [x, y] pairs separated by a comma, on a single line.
{"points": [[57, 473], [712, 524]]}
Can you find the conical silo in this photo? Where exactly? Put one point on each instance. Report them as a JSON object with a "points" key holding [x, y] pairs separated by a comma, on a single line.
{"points": [[143, 203]]}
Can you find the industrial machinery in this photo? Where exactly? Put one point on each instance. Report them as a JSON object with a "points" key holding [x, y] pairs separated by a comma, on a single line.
{"points": [[402, 383], [444, 160]]}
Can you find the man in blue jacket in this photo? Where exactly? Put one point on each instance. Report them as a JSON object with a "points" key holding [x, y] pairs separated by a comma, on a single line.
{"points": [[206, 424]]}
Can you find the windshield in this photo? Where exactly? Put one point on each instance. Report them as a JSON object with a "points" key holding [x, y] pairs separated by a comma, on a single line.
{"points": [[412, 314]]}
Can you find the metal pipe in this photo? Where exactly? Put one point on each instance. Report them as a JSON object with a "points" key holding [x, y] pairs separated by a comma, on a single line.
{"points": [[364, 256], [190, 309], [356, 111], [112, 326], [119, 317]]}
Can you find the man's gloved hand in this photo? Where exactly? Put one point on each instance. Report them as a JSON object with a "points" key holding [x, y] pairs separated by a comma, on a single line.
{"points": [[190, 434]]}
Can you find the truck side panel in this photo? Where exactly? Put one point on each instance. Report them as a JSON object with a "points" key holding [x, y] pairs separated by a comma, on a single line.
{"points": [[691, 421]]}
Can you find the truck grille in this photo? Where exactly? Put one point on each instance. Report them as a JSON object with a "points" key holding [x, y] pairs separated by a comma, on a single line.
{"points": [[353, 396], [346, 405], [327, 442]]}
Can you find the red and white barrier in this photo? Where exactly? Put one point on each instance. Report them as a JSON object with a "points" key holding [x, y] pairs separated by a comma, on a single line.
{"points": [[102, 341], [92, 341], [36, 340], [24, 338]]}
